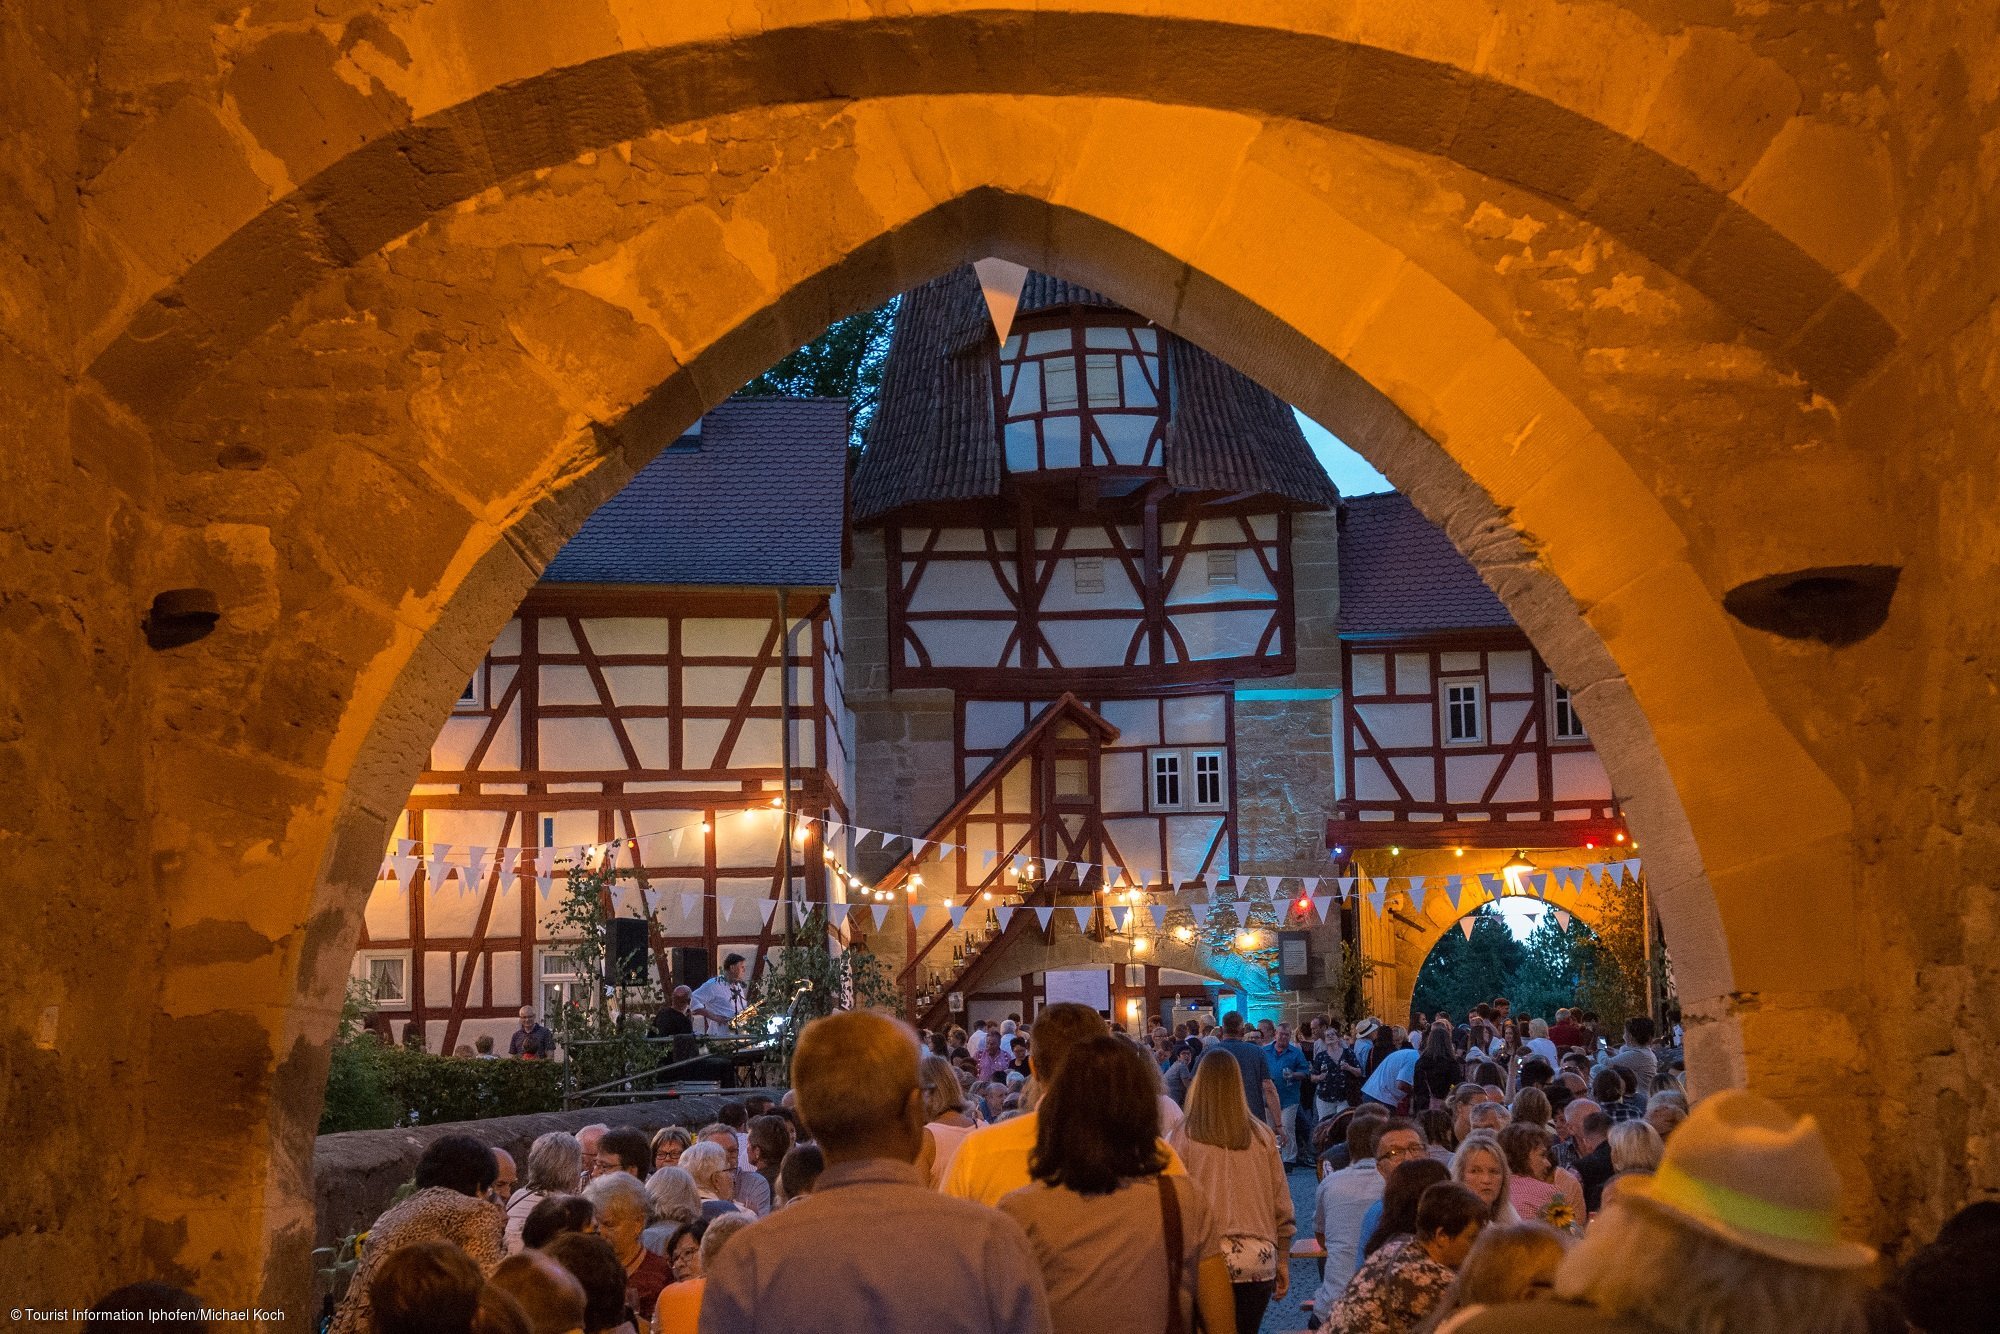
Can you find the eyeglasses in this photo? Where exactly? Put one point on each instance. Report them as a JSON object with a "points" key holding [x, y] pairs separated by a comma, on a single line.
{"points": [[1390, 1155]]}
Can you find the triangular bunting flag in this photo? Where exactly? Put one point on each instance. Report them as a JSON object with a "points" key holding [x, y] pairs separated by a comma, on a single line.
{"points": [[957, 916], [1208, 882], [1417, 892], [1042, 915], [1049, 865], [475, 865], [881, 911], [405, 865], [917, 846], [1538, 884], [1452, 885], [1321, 902], [1595, 870], [1468, 924], [384, 872], [836, 913], [1345, 884], [435, 867], [1082, 913], [1378, 900], [1563, 919], [510, 869], [1494, 885], [1003, 915], [1381, 883], [1311, 884], [543, 884], [918, 912], [986, 859], [1001, 282], [770, 908], [1159, 911]]}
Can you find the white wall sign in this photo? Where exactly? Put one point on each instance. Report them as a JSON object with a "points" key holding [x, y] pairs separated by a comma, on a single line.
{"points": [[1085, 986]]}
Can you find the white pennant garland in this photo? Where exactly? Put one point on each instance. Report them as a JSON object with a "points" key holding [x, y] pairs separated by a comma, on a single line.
{"points": [[1004, 914], [1563, 919], [1082, 914], [918, 912], [1159, 911], [1417, 892], [1321, 902], [881, 911], [1452, 886], [435, 868], [1118, 916], [1345, 884], [1378, 899], [475, 865], [1042, 916], [957, 915], [837, 913]]}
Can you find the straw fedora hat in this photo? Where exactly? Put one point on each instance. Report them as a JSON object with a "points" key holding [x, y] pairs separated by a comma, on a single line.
{"points": [[1367, 1028], [1743, 1169]]}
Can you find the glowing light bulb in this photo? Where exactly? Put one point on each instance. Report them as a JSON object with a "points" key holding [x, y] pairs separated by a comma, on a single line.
{"points": [[1458, 852], [1395, 852], [986, 896], [704, 826], [1142, 945], [1620, 838], [1183, 934], [917, 880], [778, 802]]}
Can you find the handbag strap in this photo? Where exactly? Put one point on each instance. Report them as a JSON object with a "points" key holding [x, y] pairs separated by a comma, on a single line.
{"points": [[1170, 1224]]}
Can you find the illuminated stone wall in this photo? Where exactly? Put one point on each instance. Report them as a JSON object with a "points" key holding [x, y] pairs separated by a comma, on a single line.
{"points": [[336, 310]]}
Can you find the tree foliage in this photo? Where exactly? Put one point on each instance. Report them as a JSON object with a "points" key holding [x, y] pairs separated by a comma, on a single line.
{"points": [[1462, 971], [1605, 970], [807, 978], [844, 362]]}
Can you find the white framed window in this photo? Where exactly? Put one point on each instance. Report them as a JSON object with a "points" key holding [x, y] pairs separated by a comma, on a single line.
{"points": [[387, 972], [472, 699], [1464, 704], [1210, 792], [1165, 768], [1221, 568], [562, 981], [1089, 573], [1565, 723], [1187, 780]]}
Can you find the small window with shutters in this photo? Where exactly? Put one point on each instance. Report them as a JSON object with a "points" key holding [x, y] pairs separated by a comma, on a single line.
{"points": [[1088, 572]]}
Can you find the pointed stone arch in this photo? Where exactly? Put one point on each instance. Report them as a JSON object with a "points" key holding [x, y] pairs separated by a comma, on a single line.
{"points": [[446, 344]]}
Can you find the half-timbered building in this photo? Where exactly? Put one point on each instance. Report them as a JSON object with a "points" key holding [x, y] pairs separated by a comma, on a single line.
{"points": [[1460, 752], [1081, 555], [676, 671]]}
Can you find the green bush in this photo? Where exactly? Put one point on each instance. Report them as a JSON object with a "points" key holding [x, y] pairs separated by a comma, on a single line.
{"points": [[373, 1087]]}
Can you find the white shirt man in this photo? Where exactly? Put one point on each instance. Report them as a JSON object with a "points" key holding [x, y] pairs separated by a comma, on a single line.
{"points": [[1392, 1079], [720, 999], [1342, 1202]]}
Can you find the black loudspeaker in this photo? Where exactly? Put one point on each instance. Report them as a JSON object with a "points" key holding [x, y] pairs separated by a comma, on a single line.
{"points": [[626, 959], [692, 967]]}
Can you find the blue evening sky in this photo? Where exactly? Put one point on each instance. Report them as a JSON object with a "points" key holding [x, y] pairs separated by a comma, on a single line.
{"points": [[1350, 472]]}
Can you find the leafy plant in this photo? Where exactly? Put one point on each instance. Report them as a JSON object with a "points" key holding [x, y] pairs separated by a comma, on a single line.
{"points": [[601, 1042]]}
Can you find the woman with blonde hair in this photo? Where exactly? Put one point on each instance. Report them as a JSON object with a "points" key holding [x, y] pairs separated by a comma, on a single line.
{"points": [[1480, 1165], [1635, 1147], [947, 1125], [1233, 1159], [1516, 1263]]}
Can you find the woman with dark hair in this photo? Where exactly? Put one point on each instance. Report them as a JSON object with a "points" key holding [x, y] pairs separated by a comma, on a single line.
{"points": [[1405, 1280], [449, 1204], [1399, 1200], [1488, 1074], [555, 1215], [1437, 1070], [1123, 1247]]}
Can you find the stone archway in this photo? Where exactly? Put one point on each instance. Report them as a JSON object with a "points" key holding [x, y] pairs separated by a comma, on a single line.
{"points": [[367, 414], [1414, 932]]}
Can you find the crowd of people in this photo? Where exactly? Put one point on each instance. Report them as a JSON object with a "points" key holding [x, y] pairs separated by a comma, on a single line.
{"points": [[1477, 1177]]}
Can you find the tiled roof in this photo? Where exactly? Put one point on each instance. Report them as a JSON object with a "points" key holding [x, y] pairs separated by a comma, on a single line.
{"points": [[755, 499], [1400, 575], [936, 436]]}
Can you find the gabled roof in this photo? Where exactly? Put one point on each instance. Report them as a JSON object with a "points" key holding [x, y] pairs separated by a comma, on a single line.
{"points": [[756, 498], [1400, 575], [936, 437]]}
